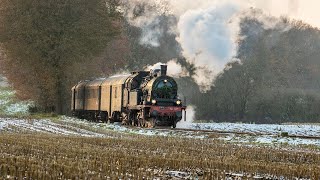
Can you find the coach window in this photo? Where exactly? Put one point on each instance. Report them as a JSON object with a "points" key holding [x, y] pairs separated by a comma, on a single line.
{"points": [[115, 92]]}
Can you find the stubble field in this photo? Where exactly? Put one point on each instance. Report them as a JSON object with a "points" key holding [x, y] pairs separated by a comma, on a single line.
{"points": [[132, 156]]}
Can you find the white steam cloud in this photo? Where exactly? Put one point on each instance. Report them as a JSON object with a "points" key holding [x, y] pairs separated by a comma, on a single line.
{"points": [[208, 30], [207, 37], [174, 69], [189, 118], [145, 15]]}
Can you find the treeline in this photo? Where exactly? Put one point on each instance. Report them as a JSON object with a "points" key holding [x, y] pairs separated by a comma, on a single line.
{"points": [[277, 80], [47, 46]]}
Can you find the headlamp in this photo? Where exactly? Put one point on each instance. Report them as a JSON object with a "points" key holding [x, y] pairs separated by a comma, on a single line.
{"points": [[153, 101], [178, 102]]}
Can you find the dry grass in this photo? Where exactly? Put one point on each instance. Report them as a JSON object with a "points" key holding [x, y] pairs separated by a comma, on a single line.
{"points": [[42, 156]]}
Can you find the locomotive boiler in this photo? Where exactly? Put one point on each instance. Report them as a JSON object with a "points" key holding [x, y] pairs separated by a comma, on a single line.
{"points": [[144, 98]]}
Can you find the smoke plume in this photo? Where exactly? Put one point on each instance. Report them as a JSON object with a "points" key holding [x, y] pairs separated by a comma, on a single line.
{"points": [[208, 30], [207, 37], [174, 68], [189, 118]]}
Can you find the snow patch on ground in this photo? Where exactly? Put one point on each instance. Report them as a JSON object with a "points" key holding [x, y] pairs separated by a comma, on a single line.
{"points": [[73, 126], [9, 106], [264, 133], [6, 93], [133, 130], [3, 81], [43, 126], [259, 129], [269, 139], [19, 108], [4, 102]]}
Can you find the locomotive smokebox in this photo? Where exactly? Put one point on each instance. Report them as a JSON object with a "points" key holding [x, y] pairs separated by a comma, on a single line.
{"points": [[163, 70]]}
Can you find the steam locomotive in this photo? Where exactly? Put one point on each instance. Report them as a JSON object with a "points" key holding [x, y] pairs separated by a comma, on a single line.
{"points": [[144, 98]]}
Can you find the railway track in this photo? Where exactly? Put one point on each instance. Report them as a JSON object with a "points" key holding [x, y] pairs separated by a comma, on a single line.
{"points": [[251, 134], [223, 132]]}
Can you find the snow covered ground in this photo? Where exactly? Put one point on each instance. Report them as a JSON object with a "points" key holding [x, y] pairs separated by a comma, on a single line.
{"points": [[263, 134], [259, 129], [76, 127], [44, 126]]}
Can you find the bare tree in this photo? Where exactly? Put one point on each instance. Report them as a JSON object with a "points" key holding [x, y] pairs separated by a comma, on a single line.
{"points": [[47, 44]]}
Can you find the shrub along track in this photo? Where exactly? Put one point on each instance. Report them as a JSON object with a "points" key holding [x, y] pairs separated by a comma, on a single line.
{"points": [[45, 156]]}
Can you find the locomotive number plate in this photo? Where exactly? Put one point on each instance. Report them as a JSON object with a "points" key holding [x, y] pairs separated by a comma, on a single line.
{"points": [[162, 107]]}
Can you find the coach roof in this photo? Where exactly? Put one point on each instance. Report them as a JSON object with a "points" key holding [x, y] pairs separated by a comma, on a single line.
{"points": [[116, 80]]}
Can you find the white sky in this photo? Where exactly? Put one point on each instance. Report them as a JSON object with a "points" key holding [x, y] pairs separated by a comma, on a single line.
{"points": [[306, 10]]}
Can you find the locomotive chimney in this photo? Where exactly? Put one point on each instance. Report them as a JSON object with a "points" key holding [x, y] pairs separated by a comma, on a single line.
{"points": [[163, 70]]}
